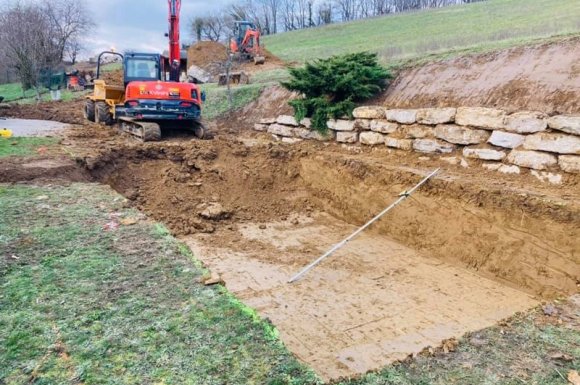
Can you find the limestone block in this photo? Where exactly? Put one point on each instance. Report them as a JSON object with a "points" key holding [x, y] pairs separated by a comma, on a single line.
{"points": [[460, 135], [340, 125], [369, 112], [531, 159], [565, 123], [287, 120], [558, 143], [362, 124], [432, 145], [419, 131], [306, 122], [281, 130], [483, 153], [371, 138], [487, 118], [506, 139], [383, 126], [261, 127], [347, 136], [436, 115], [402, 116], [291, 140], [507, 169], [526, 122], [402, 144], [305, 133], [569, 163]]}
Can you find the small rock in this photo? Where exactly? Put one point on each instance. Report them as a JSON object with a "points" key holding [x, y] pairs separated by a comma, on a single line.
{"points": [[215, 211], [261, 127], [547, 177], [569, 163], [262, 227], [504, 168], [214, 279], [549, 310], [492, 166]]}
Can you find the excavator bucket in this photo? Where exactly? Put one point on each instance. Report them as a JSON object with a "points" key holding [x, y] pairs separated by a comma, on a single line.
{"points": [[259, 59]]}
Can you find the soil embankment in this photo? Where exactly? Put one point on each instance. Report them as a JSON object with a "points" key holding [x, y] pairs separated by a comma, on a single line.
{"points": [[544, 77]]}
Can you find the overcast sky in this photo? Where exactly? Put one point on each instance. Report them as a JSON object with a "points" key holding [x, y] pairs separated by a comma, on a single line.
{"points": [[140, 24]]}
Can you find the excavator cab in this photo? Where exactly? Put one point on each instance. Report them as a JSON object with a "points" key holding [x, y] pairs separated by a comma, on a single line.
{"points": [[142, 67]]}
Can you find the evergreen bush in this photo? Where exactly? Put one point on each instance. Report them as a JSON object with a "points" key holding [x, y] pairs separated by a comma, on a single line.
{"points": [[332, 87]]}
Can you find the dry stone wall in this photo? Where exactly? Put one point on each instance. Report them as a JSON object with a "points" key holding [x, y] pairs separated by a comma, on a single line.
{"points": [[503, 142]]}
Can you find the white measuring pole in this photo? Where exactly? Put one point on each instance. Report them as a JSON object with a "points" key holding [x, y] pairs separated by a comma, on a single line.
{"points": [[404, 195]]}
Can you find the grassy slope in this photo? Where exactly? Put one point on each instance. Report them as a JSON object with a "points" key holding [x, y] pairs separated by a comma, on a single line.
{"points": [[473, 27], [79, 304]]}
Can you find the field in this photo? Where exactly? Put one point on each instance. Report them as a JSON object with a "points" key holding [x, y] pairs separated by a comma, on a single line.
{"points": [[447, 31]]}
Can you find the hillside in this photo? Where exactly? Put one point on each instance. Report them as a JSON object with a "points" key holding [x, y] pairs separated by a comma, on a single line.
{"points": [[473, 28]]}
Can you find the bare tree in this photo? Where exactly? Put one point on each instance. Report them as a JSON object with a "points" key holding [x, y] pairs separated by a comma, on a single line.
{"points": [[36, 36]]}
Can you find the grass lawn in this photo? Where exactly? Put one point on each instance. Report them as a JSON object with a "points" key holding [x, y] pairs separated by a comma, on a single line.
{"points": [[24, 146], [13, 91], [452, 30], [217, 104], [83, 305]]}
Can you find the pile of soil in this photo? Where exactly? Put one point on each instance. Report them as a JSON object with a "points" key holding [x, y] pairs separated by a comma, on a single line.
{"points": [[205, 54], [62, 111], [113, 77]]}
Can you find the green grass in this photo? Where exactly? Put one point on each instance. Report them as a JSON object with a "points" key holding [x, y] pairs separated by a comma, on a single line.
{"points": [[13, 91], [79, 304], [24, 146], [217, 104], [518, 353], [472, 27]]}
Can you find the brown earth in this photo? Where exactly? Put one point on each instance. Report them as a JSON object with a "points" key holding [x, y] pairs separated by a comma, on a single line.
{"points": [[544, 77], [468, 249]]}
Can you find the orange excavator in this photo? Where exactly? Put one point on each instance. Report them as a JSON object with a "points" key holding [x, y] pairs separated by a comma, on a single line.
{"points": [[246, 42], [151, 96]]}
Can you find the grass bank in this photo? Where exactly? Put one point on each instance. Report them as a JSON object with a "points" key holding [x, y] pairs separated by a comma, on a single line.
{"points": [[93, 293], [446, 31]]}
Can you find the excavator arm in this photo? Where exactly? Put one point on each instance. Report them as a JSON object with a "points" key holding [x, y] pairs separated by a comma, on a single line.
{"points": [[174, 46]]}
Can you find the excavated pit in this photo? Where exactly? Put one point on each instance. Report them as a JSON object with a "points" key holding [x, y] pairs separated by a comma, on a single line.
{"points": [[459, 255]]}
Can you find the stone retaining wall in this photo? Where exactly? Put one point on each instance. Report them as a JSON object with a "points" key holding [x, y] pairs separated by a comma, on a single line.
{"points": [[506, 143]]}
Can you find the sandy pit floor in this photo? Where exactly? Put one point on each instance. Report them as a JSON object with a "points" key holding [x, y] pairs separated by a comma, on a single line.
{"points": [[373, 302]]}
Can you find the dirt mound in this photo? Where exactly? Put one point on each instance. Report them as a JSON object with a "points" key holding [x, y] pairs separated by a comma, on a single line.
{"points": [[206, 54], [114, 77], [543, 77], [63, 111]]}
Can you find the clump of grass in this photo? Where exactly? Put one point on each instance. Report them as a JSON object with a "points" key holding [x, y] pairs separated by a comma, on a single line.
{"points": [[24, 146]]}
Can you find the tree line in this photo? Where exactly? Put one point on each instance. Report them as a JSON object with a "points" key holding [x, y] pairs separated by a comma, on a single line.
{"points": [[36, 37], [274, 16]]}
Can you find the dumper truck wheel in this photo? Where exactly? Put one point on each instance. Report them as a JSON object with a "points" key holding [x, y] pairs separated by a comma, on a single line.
{"points": [[104, 115], [89, 110]]}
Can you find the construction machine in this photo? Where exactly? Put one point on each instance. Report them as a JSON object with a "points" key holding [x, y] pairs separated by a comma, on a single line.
{"points": [[246, 42], [151, 95]]}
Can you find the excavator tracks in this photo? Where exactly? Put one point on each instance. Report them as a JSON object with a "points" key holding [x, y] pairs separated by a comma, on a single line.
{"points": [[146, 131]]}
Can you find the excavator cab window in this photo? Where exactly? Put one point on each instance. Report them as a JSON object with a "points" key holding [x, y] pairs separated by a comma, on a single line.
{"points": [[142, 67]]}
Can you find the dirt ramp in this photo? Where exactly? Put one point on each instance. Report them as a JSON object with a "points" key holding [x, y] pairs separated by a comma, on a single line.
{"points": [[544, 77]]}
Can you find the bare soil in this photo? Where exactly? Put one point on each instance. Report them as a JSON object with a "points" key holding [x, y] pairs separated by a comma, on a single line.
{"points": [[544, 77], [470, 248]]}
